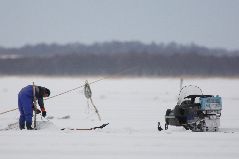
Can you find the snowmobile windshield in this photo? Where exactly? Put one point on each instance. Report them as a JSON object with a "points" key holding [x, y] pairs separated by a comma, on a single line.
{"points": [[188, 90]]}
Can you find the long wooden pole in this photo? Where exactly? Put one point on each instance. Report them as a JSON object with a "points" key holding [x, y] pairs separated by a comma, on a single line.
{"points": [[35, 105]]}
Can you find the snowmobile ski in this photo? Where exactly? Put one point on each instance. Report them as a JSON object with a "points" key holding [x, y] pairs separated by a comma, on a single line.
{"points": [[93, 128]]}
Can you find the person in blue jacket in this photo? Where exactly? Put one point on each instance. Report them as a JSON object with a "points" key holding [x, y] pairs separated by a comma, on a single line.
{"points": [[26, 106]]}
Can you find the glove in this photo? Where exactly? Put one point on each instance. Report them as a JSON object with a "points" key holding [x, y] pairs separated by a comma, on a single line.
{"points": [[43, 113]]}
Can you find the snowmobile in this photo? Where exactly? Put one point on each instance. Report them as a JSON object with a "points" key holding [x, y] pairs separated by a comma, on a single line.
{"points": [[195, 111]]}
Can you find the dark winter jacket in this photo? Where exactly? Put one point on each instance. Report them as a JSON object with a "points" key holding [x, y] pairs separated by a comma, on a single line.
{"points": [[28, 92]]}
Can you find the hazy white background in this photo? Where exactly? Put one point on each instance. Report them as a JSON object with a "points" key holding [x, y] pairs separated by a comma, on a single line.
{"points": [[211, 23]]}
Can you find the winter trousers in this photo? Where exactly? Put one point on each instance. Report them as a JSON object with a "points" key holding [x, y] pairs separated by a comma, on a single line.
{"points": [[25, 103]]}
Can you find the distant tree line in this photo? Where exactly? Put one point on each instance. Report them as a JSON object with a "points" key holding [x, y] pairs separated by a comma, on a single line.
{"points": [[111, 58]]}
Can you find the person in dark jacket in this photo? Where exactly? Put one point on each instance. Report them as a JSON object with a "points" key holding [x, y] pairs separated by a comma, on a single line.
{"points": [[26, 106]]}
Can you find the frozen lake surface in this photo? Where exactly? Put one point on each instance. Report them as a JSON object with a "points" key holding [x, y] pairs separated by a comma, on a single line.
{"points": [[132, 106]]}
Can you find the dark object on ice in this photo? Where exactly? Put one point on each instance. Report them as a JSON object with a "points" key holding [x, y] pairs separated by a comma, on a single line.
{"points": [[65, 117], [159, 127], [196, 112], [97, 127], [101, 127]]}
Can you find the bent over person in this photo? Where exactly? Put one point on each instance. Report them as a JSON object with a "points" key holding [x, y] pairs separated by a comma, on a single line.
{"points": [[26, 106]]}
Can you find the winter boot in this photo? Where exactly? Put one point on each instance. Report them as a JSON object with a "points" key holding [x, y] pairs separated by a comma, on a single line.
{"points": [[21, 126], [29, 126]]}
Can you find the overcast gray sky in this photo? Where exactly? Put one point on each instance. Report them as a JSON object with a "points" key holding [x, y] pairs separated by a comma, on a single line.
{"points": [[211, 23]]}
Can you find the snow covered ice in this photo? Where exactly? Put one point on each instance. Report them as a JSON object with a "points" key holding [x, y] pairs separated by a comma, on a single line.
{"points": [[133, 108]]}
